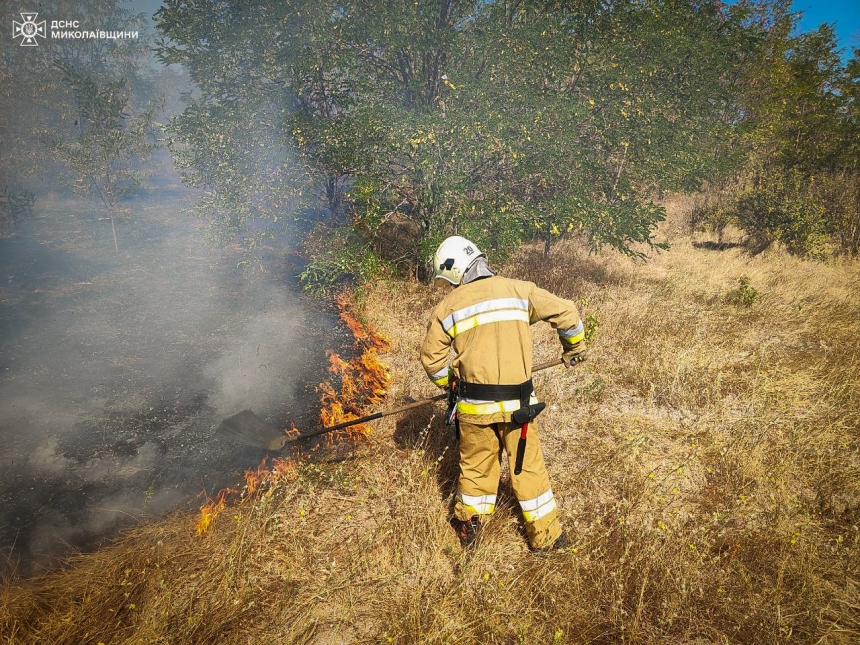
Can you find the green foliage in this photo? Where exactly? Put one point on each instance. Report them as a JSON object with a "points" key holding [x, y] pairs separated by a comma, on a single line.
{"points": [[800, 134], [261, 134], [105, 157], [744, 295], [512, 122], [592, 325], [235, 152], [711, 210], [591, 322], [840, 192], [337, 256], [785, 207], [16, 205], [501, 122], [39, 105]]}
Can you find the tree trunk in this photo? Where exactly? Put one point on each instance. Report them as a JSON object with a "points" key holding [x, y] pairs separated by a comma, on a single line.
{"points": [[113, 230]]}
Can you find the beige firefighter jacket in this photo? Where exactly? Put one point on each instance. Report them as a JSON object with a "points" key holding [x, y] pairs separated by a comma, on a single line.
{"points": [[486, 323]]}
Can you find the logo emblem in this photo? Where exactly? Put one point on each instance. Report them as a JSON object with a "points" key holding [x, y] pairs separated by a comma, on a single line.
{"points": [[28, 30]]}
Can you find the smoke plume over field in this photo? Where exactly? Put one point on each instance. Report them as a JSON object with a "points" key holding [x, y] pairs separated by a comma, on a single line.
{"points": [[116, 367]]}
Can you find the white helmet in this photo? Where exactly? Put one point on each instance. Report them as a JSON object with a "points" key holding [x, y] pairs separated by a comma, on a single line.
{"points": [[453, 257]]}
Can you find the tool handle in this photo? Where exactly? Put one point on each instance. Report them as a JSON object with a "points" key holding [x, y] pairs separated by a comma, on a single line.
{"points": [[402, 408], [521, 450], [339, 426], [377, 415], [547, 365], [369, 417]]}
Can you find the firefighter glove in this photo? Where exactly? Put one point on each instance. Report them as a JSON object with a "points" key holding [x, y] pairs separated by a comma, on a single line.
{"points": [[575, 354]]}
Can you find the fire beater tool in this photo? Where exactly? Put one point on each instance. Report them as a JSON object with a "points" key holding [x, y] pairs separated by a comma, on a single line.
{"points": [[246, 427]]}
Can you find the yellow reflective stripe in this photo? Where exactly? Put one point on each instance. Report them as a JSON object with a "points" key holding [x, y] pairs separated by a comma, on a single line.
{"points": [[440, 378], [466, 406], [573, 336], [573, 340], [534, 516], [494, 304], [478, 505], [480, 509], [534, 509], [487, 317]]}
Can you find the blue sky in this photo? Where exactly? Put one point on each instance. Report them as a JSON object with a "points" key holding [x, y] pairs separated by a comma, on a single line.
{"points": [[845, 13]]}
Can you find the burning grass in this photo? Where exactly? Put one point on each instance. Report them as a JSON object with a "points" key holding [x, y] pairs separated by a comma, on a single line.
{"points": [[705, 459], [363, 379], [362, 382]]}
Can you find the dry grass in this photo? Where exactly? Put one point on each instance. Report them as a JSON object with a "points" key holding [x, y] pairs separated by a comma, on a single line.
{"points": [[705, 459]]}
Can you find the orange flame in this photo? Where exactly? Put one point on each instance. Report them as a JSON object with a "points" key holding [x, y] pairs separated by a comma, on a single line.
{"points": [[253, 478], [363, 382], [209, 511]]}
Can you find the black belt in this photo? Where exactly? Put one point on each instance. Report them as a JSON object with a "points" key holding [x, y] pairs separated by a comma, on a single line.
{"points": [[493, 392]]}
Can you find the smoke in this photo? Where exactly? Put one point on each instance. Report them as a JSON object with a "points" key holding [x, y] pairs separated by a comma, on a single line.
{"points": [[254, 372], [115, 369], [49, 459]]}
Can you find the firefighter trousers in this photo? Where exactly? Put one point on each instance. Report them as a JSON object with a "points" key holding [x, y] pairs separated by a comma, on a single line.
{"points": [[481, 451]]}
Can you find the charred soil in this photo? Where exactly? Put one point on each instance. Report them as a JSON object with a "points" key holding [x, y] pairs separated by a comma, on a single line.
{"points": [[116, 367]]}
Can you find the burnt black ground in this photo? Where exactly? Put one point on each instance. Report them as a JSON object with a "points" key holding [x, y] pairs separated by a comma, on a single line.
{"points": [[115, 369]]}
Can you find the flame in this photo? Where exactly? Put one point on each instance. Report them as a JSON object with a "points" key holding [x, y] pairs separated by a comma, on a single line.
{"points": [[359, 331], [363, 380], [284, 470], [363, 383], [265, 475], [209, 511], [253, 478]]}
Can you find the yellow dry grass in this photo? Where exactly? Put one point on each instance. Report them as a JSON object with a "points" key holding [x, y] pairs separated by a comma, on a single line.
{"points": [[705, 459]]}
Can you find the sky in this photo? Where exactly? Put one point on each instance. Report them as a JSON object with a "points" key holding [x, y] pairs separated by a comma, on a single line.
{"points": [[845, 13]]}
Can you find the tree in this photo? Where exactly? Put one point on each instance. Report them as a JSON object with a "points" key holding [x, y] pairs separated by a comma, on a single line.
{"points": [[599, 108], [255, 64], [38, 105], [106, 156], [798, 132], [504, 121]]}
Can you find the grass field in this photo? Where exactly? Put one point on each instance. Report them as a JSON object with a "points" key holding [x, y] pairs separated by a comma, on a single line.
{"points": [[705, 459]]}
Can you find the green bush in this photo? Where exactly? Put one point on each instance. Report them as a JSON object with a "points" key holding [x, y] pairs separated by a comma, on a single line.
{"points": [[784, 206], [841, 192], [744, 295], [337, 256], [591, 322], [709, 212]]}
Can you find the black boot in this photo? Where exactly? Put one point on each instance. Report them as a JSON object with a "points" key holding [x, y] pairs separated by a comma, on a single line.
{"points": [[467, 531], [560, 543]]}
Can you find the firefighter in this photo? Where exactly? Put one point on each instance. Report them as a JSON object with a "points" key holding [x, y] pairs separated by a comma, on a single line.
{"points": [[485, 319]]}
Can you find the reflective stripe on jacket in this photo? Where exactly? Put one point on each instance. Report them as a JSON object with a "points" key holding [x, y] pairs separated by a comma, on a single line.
{"points": [[486, 323]]}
